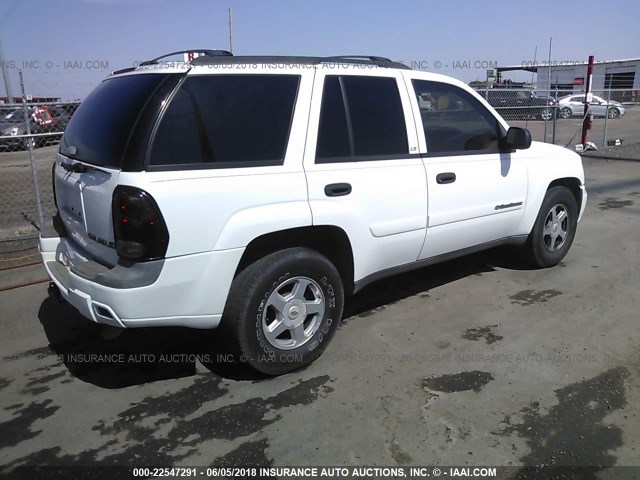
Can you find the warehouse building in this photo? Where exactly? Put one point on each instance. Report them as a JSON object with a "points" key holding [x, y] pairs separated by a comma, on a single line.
{"points": [[622, 77]]}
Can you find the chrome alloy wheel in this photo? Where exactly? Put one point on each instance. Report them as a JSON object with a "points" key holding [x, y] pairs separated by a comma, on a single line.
{"points": [[556, 228], [293, 313]]}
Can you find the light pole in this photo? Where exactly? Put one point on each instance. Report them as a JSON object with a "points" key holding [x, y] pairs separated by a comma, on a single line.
{"points": [[5, 75]]}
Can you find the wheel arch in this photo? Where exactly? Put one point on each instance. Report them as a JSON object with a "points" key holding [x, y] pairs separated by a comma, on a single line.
{"points": [[536, 197], [573, 184], [328, 240]]}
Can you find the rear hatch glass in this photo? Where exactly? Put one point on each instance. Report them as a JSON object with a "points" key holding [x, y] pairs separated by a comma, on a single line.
{"points": [[99, 130]]}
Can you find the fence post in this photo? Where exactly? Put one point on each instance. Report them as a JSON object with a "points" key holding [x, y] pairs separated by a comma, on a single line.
{"points": [[30, 144], [606, 118], [556, 112]]}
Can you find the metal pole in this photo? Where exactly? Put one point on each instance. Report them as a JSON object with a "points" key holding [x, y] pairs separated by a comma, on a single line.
{"points": [[230, 33], [588, 96], [30, 144], [5, 75], [606, 118], [555, 117], [553, 111]]}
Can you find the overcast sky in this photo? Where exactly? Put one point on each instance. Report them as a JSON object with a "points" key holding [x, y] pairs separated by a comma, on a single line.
{"points": [[57, 38]]}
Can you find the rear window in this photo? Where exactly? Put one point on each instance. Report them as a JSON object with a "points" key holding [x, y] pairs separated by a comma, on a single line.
{"points": [[226, 121], [101, 126]]}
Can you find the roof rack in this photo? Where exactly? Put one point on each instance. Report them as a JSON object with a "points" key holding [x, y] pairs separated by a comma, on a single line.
{"points": [[204, 51], [365, 59], [267, 59]]}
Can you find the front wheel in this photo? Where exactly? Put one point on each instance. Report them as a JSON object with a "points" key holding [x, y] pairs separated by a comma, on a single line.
{"points": [[554, 229], [283, 309]]}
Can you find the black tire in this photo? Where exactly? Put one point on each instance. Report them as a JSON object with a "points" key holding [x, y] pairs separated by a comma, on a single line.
{"points": [[565, 112], [29, 141], [248, 308], [542, 248], [613, 112], [546, 114]]}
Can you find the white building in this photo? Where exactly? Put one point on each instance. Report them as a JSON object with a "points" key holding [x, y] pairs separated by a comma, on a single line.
{"points": [[622, 77]]}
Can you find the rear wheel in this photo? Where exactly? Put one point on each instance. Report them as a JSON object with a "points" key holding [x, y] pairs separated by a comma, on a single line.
{"points": [[546, 114], [565, 112], [554, 229], [613, 113], [29, 143], [283, 309]]}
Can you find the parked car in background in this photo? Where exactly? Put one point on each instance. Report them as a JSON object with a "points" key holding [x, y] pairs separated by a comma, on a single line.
{"points": [[50, 120], [515, 104], [573, 106]]}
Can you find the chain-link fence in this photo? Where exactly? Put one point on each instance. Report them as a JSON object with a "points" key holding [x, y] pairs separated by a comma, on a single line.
{"points": [[29, 135], [556, 116]]}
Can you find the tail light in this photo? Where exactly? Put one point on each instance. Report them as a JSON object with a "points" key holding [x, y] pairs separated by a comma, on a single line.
{"points": [[138, 226]]}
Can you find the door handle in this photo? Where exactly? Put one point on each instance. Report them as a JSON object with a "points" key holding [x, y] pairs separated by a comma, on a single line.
{"points": [[447, 177], [337, 189]]}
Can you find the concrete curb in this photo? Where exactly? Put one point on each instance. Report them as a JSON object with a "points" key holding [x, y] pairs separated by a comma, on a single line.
{"points": [[629, 152], [604, 156]]}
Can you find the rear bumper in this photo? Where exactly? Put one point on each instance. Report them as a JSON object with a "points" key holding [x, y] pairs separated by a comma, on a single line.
{"points": [[187, 291]]}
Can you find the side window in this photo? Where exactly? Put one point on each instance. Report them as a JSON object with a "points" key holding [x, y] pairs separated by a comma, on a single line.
{"points": [[333, 131], [370, 124], [454, 120], [227, 121], [377, 117]]}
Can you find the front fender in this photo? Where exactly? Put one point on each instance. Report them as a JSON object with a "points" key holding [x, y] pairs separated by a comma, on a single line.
{"points": [[547, 163]]}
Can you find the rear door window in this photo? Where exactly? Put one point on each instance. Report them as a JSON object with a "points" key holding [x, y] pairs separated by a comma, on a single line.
{"points": [[361, 118], [226, 121], [102, 125]]}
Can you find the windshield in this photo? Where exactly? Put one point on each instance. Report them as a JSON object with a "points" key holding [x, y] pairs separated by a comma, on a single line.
{"points": [[100, 128], [17, 116]]}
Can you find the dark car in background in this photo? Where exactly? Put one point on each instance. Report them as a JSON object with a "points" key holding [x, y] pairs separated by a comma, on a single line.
{"points": [[515, 104], [46, 119]]}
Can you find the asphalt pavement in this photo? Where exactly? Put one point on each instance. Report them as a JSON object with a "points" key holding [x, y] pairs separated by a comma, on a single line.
{"points": [[477, 361]]}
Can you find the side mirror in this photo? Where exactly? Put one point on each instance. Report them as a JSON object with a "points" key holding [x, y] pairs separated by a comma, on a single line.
{"points": [[518, 138]]}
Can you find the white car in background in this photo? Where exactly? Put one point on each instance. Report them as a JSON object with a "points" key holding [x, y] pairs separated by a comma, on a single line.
{"points": [[573, 106]]}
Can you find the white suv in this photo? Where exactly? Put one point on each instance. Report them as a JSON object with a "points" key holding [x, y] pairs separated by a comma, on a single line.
{"points": [[253, 193]]}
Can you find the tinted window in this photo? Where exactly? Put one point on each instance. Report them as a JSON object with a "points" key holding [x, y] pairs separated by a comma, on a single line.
{"points": [[333, 134], [372, 125], [454, 120], [101, 126], [376, 114], [227, 120]]}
